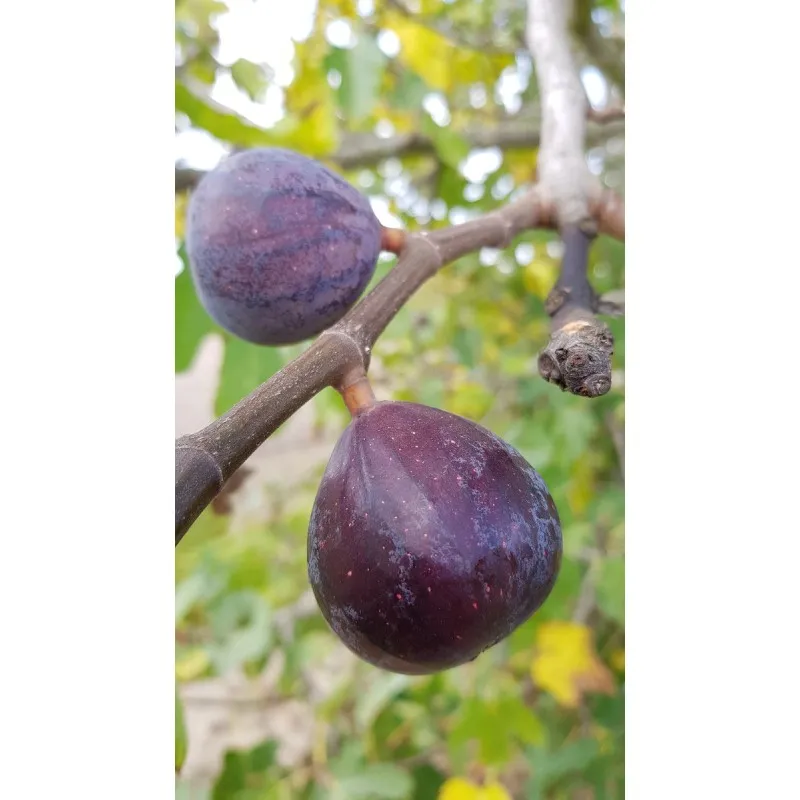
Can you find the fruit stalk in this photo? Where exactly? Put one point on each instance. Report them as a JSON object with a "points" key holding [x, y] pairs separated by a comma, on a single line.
{"points": [[357, 393]]}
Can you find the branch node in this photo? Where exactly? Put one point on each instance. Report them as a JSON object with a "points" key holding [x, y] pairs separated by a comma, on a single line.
{"points": [[423, 237], [578, 357], [360, 358]]}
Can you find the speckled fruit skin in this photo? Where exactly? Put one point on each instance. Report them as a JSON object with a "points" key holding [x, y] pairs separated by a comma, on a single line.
{"points": [[431, 539], [279, 246]]}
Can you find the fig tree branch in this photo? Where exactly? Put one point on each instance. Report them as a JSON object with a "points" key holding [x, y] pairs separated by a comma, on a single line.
{"points": [[205, 460], [366, 149], [578, 356]]}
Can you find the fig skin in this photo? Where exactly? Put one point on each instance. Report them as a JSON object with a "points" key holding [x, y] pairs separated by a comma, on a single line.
{"points": [[279, 246], [430, 540]]}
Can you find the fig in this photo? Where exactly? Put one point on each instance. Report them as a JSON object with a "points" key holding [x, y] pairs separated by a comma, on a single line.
{"points": [[279, 246], [430, 540]]}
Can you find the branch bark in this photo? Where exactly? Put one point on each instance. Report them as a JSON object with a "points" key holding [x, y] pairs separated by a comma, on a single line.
{"points": [[205, 460], [366, 149]]}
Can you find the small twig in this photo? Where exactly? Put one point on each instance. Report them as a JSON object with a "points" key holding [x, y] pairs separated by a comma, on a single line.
{"points": [[578, 356], [604, 115]]}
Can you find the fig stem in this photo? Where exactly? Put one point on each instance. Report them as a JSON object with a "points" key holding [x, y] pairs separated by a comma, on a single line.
{"points": [[358, 395], [392, 240]]}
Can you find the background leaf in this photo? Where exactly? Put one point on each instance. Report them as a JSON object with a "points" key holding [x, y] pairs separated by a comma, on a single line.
{"points": [[245, 366], [181, 742]]}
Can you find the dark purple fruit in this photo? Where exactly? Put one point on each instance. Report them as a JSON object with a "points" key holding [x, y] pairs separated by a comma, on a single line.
{"points": [[431, 539], [279, 246]]}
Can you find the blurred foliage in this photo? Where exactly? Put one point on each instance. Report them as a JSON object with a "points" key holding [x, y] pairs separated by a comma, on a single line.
{"points": [[541, 715]]}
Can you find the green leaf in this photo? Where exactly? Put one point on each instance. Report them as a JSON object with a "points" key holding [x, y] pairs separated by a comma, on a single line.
{"points": [[519, 719], [467, 344], [382, 690], [374, 782], [221, 122], [361, 68], [561, 600], [245, 366], [451, 185], [198, 586], [243, 773], [409, 92], [186, 790], [181, 742], [192, 322], [550, 766], [427, 782], [250, 78], [451, 148], [242, 621], [476, 722], [611, 588]]}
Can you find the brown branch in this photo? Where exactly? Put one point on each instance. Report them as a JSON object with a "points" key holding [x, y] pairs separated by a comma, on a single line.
{"points": [[603, 115], [205, 460], [578, 356], [359, 150]]}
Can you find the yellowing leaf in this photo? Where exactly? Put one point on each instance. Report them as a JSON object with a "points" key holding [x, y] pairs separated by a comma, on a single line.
{"points": [[311, 103], [539, 276], [422, 50], [494, 791], [435, 59], [461, 789], [342, 8], [192, 665], [458, 789], [618, 659], [181, 204], [470, 399], [504, 326], [491, 352], [521, 165], [309, 98], [581, 486], [566, 663]]}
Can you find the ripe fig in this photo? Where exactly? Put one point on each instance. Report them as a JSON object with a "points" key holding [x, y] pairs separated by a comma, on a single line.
{"points": [[430, 540], [279, 246]]}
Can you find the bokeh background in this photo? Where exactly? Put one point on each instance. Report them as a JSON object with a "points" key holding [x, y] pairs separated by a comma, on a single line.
{"points": [[431, 109]]}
